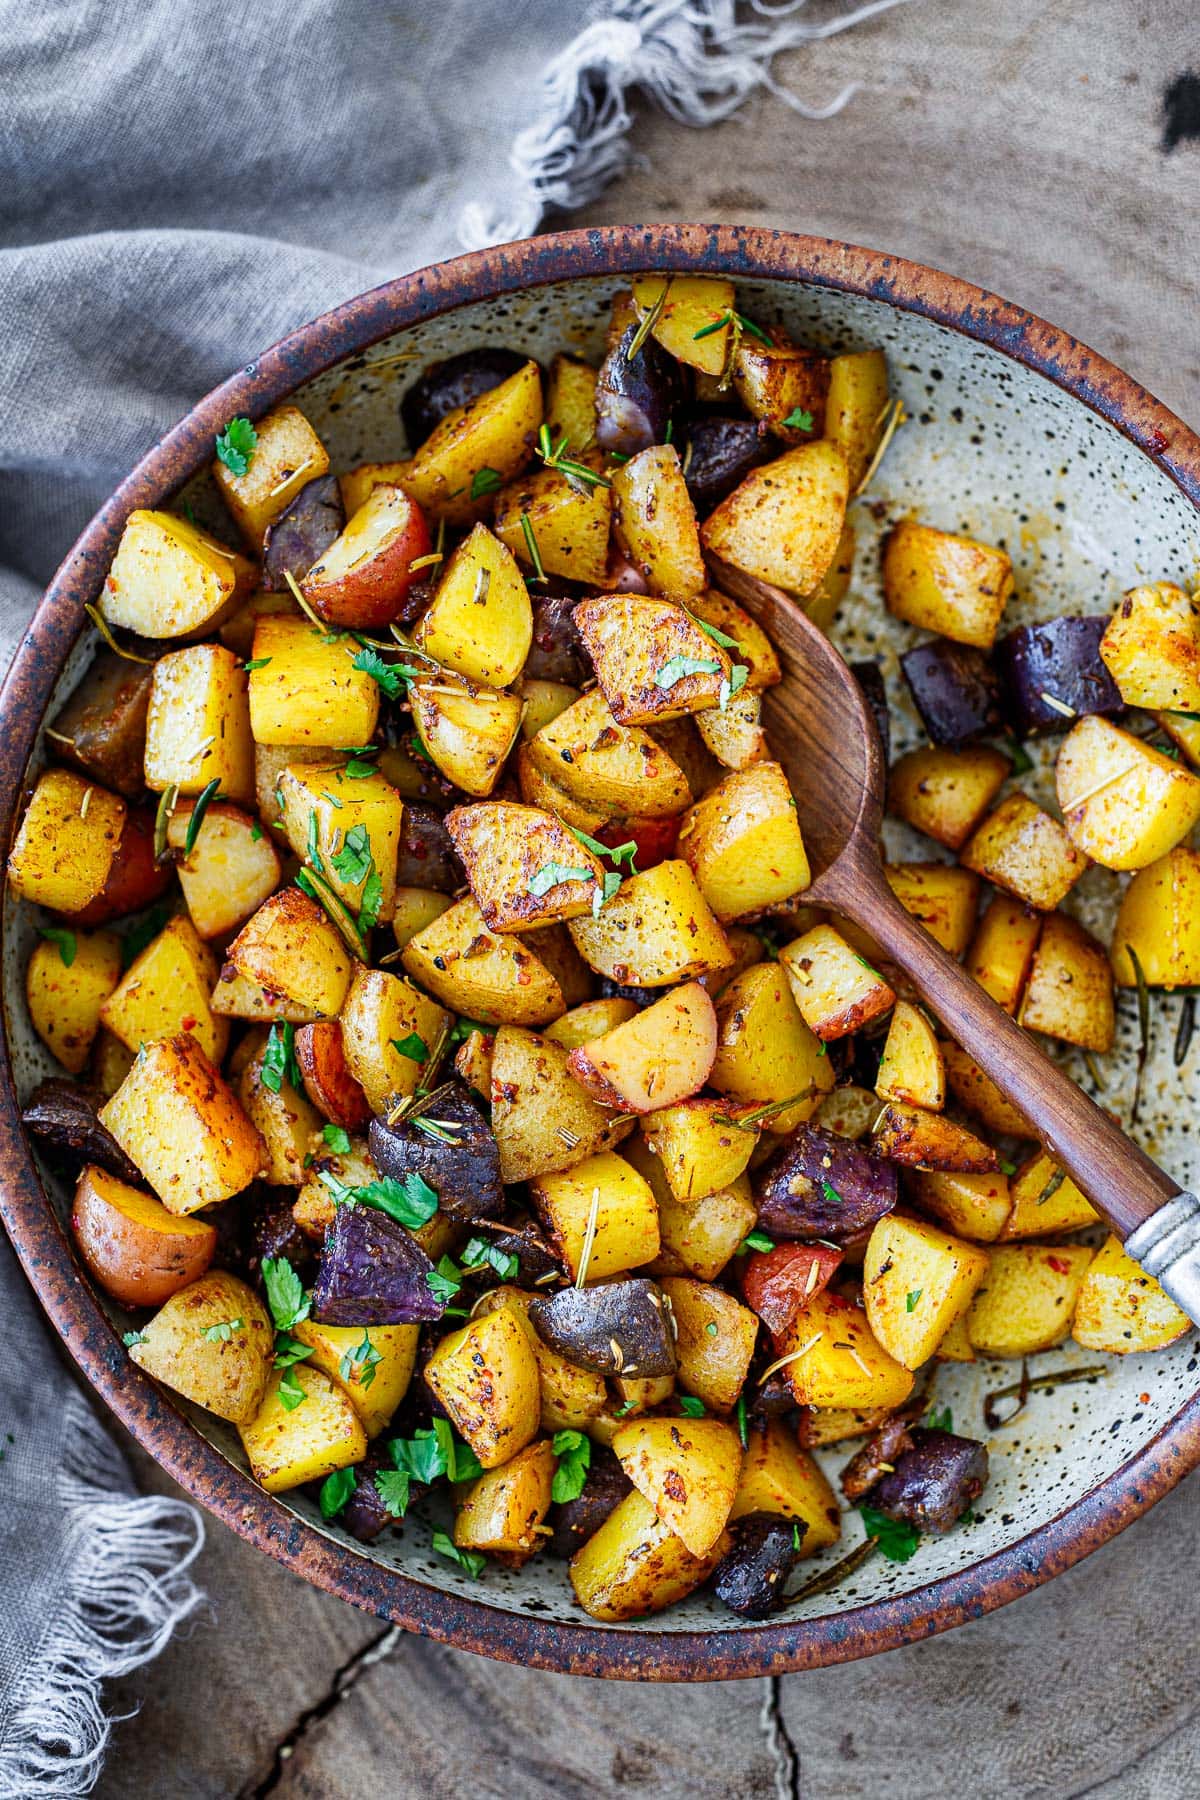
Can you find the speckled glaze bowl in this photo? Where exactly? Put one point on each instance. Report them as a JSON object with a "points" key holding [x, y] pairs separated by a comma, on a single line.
{"points": [[1018, 435]]}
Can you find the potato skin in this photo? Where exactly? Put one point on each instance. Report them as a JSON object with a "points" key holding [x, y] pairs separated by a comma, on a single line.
{"points": [[104, 722], [139, 1252], [658, 1058], [228, 1376], [634, 1565]]}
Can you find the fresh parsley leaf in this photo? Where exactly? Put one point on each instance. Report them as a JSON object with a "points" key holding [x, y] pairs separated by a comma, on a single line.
{"points": [[336, 1489], [57, 934], [680, 667], [464, 1028], [144, 932], [370, 900], [203, 801], [236, 445], [359, 767], [830, 1194], [755, 1240], [574, 1453], [392, 1486], [133, 1337], [738, 677], [939, 1419], [387, 675], [718, 637], [897, 1540], [481, 1251], [470, 1560], [799, 420], [256, 662], [1008, 1168], [1022, 762], [354, 861], [286, 1297], [410, 1200], [444, 1281], [279, 1058], [291, 1394], [623, 1412], [255, 832], [911, 1298], [413, 1046], [435, 1451], [289, 1350], [551, 874], [690, 1407], [485, 481], [338, 1139], [610, 886], [360, 1361], [221, 1332]]}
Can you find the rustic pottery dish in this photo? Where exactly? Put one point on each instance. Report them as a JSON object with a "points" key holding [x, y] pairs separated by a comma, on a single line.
{"points": [[1017, 435]]}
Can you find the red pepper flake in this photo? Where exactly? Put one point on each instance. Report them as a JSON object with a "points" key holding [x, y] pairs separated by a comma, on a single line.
{"points": [[1058, 1265]]}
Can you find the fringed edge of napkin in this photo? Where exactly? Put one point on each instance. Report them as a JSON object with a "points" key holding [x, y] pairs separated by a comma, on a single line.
{"points": [[694, 58], [125, 1589]]}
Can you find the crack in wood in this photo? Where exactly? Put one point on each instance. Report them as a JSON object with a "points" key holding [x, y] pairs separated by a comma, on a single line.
{"points": [[345, 1679], [779, 1742]]}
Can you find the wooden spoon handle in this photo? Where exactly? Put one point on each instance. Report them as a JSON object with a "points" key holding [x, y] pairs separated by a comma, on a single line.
{"points": [[1158, 1221]]}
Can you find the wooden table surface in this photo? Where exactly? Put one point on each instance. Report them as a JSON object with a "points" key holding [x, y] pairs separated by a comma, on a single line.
{"points": [[1023, 148]]}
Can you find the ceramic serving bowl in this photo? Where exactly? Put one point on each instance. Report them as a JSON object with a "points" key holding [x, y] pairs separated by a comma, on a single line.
{"points": [[1017, 434]]}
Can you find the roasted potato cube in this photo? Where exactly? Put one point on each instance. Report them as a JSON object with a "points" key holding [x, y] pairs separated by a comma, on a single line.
{"points": [[497, 430], [591, 1020], [237, 633], [414, 909], [835, 989], [766, 1054], [1001, 951], [571, 400], [655, 523], [571, 1397], [542, 1119], [687, 1469], [166, 990], [694, 304], [752, 647], [946, 583], [502, 1510], [349, 830], [784, 385], [538, 790], [856, 406], [358, 484], [1022, 849], [736, 736], [837, 1359], [321, 1055], [286, 457], [1159, 922], [1045, 1201], [284, 1117], [698, 1237], [1182, 728], [1125, 804], [182, 1127], [211, 1342], [169, 579], [911, 1069], [919, 1139], [1152, 648], [634, 1565], [956, 1345], [698, 1149], [611, 767], [373, 1363], [658, 929], [544, 700], [101, 731], [362, 580], [569, 519], [652, 661], [237, 997], [822, 604], [381, 1012], [139, 1252], [784, 522], [467, 731], [659, 1057], [715, 1341], [305, 689], [66, 843], [480, 623], [499, 980], [1069, 994], [1121, 1309], [292, 948], [940, 897], [742, 842], [323, 1433], [1028, 1297], [606, 1188], [66, 986], [230, 870], [485, 1376], [270, 760], [779, 1477], [974, 1205], [525, 869], [916, 1281], [945, 793], [979, 1094]]}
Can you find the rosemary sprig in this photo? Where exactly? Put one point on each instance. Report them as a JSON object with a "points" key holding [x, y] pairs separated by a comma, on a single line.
{"points": [[162, 819], [1028, 1384], [105, 630], [647, 323], [204, 800], [531, 544], [554, 456], [317, 888], [1143, 1008]]}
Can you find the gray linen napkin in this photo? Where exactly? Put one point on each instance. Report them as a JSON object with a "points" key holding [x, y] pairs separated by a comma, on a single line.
{"points": [[180, 186]]}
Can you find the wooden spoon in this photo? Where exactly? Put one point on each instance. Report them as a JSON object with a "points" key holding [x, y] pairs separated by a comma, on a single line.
{"points": [[822, 731]]}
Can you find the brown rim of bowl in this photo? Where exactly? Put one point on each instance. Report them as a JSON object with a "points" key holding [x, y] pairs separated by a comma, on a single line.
{"points": [[635, 1652]]}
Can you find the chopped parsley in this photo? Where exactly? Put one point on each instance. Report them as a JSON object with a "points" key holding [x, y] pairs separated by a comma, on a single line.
{"points": [[939, 1419], [469, 1560], [690, 1407], [336, 1489], [256, 662], [413, 1046], [236, 445], [133, 1337], [551, 874], [680, 667], [895, 1539], [409, 1200], [911, 1299], [221, 1332], [574, 1453], [291, 1394], [354, 861], [391, 677], [830, 1194], [337, 1138], [143, 933], [483, 1253], [798, 420], [755, 1240], [485, 481], [360, 1361], [279, 1058], [743, 1429], [289, 1350], [57, 934], [435, 1451], [444, 1282], [286, 1297]]}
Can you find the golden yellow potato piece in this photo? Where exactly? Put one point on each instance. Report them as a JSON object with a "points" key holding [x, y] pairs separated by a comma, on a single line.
{"points": [[779, 1477], [1045, 1201], [946, 583], [974, 1205], [1152, 648], [291, 947], [305, 689], [287, 456], [502, 1510], [66, 842], [1159, 921], [634, 1565], [1069, 994], [1027, 1299], [836, 990], [838, 1361], [166, 990], [945, 793], [323, 1433], [212, 1343], [486, 1377], [688, 1471], [1022, 849], [1121, 1309], [606, 1188], [911, 1069], [766, 1055], [916, 1281], [715, 1341], [65, 1000], [1125, 804], [784, 522], [657, 929], [356, 833], [742, 842], [374, 1363], [169, 579], [179, 1122], [480, 622]]}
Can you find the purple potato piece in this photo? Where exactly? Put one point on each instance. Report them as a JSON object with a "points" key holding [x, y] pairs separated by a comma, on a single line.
{"points": [[934, 1483], [426, 855], [373, 1272], [880, 1453], [557, 652], [724, 451], [956, 688], [364, 1515], [64, 1117], [608, 989], [635, 397], [575, 1521], [105, 722], [452, 383], [618, 1328], [751, 1577], [870, 679], [819, 1185], [522, 1237], [773, 1398], [274, 1232], [1060, 658], [464, 1172], [303, 533]]}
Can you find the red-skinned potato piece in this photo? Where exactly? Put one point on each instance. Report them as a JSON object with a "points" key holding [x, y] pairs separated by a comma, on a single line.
{"points": [[363, 578], [658, 1058], [139, 1252], [327, 1078], [135, 879], [655, 839], [777, 1283]]}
